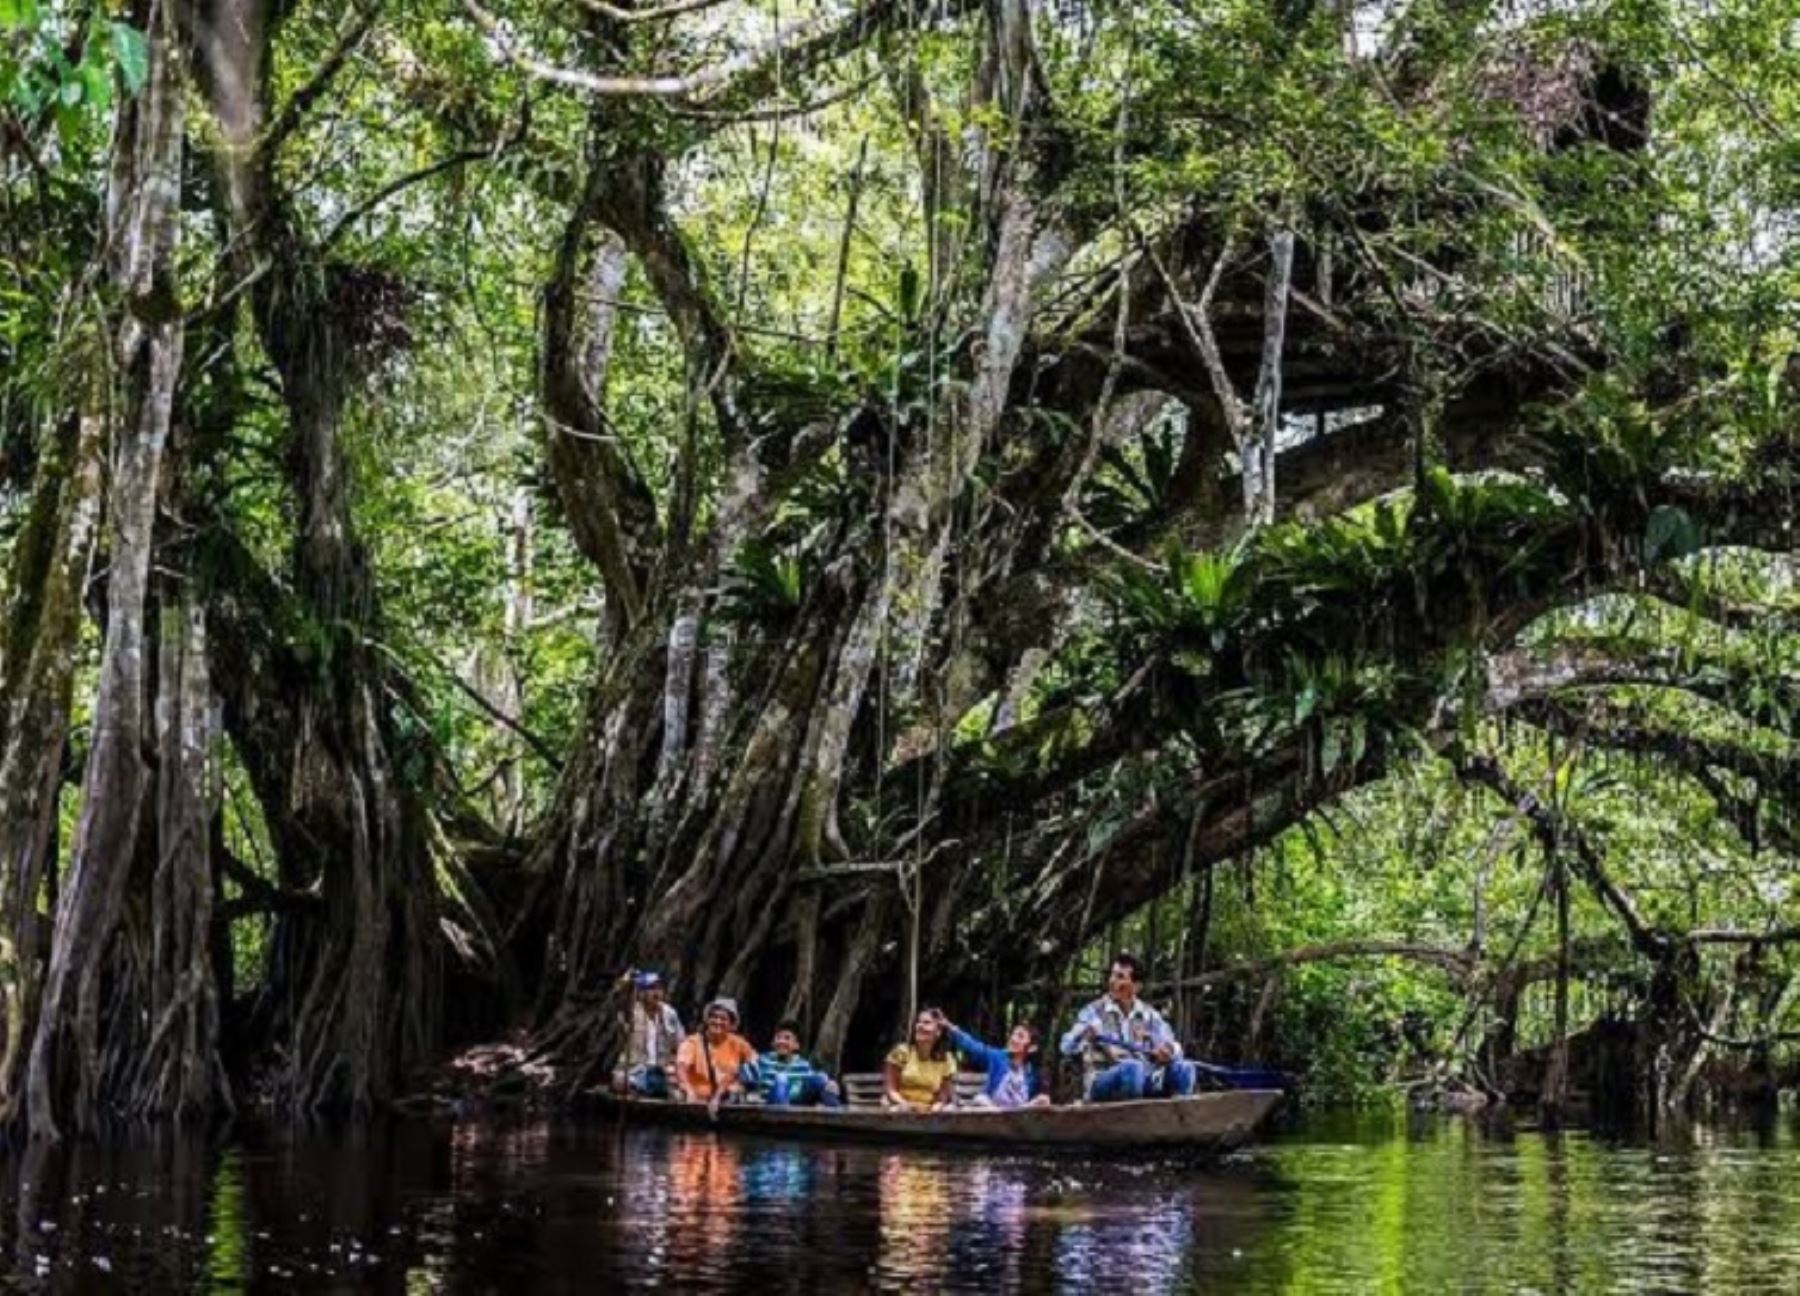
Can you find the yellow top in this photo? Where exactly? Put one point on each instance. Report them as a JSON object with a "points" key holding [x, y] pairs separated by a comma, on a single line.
{"points": [[921, 1077]]}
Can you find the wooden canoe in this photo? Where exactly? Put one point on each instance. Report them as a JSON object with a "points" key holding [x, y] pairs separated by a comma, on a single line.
{"points": [[1209, 1122]]}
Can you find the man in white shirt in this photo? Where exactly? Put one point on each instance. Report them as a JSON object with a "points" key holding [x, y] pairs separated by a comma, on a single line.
{"points": [[1127, 1049]]}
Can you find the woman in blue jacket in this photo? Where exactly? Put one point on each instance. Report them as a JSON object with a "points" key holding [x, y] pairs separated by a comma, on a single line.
{"points": [[1012, 1077]]}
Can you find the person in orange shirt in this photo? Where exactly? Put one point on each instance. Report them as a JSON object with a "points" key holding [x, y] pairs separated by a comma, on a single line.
{"points": [[709, 1065]]}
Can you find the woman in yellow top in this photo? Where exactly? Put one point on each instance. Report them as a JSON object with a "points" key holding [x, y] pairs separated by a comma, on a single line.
{"points": [[919, 1076]]}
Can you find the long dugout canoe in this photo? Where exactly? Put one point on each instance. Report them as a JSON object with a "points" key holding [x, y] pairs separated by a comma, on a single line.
{"points": [[1209, 1122]]}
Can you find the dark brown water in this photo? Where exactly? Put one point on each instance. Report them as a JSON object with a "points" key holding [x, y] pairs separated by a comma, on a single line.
{"points": [[1330, 1206]]}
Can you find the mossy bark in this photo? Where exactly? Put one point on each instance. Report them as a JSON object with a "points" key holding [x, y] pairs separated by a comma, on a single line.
{"points": [[64, 1068], [50, 562]]}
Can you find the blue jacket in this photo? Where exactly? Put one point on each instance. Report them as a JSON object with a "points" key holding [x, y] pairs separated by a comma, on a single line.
{"points": [[995, 1061]]}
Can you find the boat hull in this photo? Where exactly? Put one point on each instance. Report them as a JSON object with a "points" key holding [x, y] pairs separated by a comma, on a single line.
{"points": [[1211, 1122]]}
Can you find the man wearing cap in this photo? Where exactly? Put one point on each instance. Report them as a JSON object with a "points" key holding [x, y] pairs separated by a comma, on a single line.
{"points": [[709, 1065], [654, 1035]]}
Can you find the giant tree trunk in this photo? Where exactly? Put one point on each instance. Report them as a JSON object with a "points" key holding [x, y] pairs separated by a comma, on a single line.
{"points": [[178, 1071], [350, 1003], [37, 667], [146, 177], [360, 976], [720, 747]]}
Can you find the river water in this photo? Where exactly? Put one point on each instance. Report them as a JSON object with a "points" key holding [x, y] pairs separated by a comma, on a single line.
{"points": [[1329, 1205]]}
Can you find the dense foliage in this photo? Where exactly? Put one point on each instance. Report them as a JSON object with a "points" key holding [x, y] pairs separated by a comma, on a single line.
{"points": [[870, 502]]}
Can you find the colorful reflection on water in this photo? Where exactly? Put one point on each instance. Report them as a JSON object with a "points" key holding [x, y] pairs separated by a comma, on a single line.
{"points": [[1330, 1206]]}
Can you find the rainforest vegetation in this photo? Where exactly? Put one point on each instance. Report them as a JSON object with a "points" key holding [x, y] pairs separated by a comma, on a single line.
{"points": [[857, 503]]}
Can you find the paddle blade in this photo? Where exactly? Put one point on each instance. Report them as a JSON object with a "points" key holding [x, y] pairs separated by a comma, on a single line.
{"points": [[1244, 1077]]}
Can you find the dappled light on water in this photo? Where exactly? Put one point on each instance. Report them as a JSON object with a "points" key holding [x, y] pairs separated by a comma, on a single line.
{"points": [[1331, 1206]]}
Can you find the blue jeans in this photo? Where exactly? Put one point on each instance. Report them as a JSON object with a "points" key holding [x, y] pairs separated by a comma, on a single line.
{"points": [[803, 1091], [648, 1082], [810, 1090], [1135, 1079]]}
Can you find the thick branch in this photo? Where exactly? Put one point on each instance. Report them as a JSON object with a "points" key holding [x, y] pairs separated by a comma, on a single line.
{"points": [[1456, 961], [259, 896], [631, 201], [1523, 675], [610, 513], [793, 49], [656, 13], [350, 38]]}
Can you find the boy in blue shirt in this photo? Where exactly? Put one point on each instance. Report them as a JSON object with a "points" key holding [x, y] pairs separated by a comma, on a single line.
{"points": [[786, 1077], [1012, 1077]]}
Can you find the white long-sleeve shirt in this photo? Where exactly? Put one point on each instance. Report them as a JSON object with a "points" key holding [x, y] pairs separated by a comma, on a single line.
{"points": [[1140, 1025]]}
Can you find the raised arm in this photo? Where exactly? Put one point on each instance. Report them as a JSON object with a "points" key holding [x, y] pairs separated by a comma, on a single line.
{"points": [[620, 1000], [973, 1049]]}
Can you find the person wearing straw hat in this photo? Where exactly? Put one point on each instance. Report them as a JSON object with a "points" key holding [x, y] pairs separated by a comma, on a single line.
{"points": [[709, 1066], [653, 1034]]}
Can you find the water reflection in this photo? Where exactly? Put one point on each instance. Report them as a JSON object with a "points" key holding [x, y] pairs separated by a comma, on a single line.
{"points": [[1141, 1249], [706, 1193], [543, 1206], [914, 1201], [990, 1238], [778, 1176]]}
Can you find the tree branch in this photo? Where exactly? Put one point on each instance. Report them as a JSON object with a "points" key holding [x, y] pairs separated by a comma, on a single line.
{"points": [[1527, 675], [1455, 960], [795, 49], [1561, 835], [610, 514], [349, 39], [260, 896], [402, 183], [631, 202], [657, 13]]}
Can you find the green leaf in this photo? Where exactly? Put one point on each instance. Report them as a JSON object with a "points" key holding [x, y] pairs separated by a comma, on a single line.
{"points": [[1670, 533], [18, 13], [68, 124], [132, 53], [1306, 703], [96, 86]]}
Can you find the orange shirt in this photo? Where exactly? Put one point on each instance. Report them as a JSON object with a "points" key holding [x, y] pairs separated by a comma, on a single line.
{"points": [[728, 1055]]}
